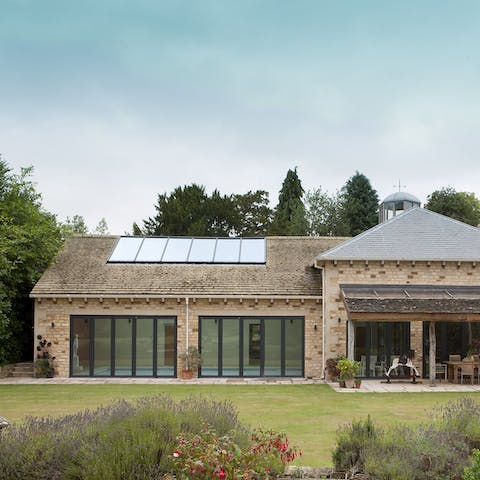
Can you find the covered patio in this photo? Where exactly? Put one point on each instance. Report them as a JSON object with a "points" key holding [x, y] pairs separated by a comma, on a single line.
{"points": [[431, 305]]}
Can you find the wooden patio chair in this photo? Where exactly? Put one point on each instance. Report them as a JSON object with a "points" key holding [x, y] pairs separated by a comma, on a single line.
{"points": [[467, 370], [441, 371]]}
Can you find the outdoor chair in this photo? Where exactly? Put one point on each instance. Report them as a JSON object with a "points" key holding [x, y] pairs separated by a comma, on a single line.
{"points": [[467, 370], [441, 371]]}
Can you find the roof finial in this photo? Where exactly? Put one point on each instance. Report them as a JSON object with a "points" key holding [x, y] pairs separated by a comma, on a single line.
{"points": [[399, 186]]}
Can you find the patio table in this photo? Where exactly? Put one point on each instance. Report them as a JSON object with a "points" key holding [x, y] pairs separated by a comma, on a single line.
{"points": [[452, 368]]}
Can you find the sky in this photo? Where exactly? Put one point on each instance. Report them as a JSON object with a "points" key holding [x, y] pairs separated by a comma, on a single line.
{"points": [[113, 102]]}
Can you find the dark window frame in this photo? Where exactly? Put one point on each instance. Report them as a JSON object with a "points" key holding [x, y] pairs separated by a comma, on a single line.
{"points": [[91, 319], [241, 319]]}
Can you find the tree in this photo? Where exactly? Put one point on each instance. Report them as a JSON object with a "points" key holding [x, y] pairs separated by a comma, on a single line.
{"points": [[221, 215], [253, 213], [74, 226], [324, 214], [462, 206], [359, 204], [102, 227], [189, 210], [29, 239], [289, 217]]}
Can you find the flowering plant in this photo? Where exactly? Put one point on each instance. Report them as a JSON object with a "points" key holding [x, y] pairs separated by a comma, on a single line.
{"points": [[207, 455], [44, 363]]}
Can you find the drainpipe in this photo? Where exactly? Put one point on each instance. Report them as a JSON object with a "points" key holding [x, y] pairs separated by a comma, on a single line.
{"points": [[186, 322], [324, 311]]}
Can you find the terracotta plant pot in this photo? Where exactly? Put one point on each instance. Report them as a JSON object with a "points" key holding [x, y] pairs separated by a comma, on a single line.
{"points": [[358, 383], [187, 374]]}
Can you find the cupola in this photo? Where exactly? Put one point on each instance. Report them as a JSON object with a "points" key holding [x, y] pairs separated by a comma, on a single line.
{"points": [[395, 204]]}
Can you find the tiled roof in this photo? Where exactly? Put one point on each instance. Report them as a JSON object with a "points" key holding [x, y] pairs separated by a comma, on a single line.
{"points": [[418, 299], [416, 234], [81, 268]]}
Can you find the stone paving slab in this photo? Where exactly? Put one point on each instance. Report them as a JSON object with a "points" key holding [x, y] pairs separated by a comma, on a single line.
{"points": [[368, 386], [157, 381], [402, 386]]}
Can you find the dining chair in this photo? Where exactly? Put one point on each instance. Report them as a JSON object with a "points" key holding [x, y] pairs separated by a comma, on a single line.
{"points": [[467, 369], [441, 371]]}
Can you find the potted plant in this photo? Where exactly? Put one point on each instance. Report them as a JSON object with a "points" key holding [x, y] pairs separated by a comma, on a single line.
{"points": [[331, 369], [348, 370], [191, 361], [358, 382], [474, 348], [44, 362]]}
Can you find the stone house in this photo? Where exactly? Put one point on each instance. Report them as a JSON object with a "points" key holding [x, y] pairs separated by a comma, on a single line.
{"points": [[279, 306]]}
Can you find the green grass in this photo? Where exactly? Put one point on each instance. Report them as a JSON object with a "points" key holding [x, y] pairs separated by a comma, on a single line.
{"points": [[309, 414]]}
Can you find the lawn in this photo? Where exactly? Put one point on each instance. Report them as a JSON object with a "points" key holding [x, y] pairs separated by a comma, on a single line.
{"points": [[309, 414]]}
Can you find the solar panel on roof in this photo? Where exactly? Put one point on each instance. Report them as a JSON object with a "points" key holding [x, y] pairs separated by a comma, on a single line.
{"points": [[189, 250], [202, 250], [228, 250], [252, 250], [152, 250], [177, 250], [126, 249]]}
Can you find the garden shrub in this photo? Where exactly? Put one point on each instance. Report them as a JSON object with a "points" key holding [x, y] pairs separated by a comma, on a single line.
{"points": [[472, 471], [352, 441], [208, 455], [386, 457], [461, 417], [436, 450], [130, 440]]}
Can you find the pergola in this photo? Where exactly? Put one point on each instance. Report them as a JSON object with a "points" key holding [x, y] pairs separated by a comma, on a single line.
{"points": [[426, 303]]}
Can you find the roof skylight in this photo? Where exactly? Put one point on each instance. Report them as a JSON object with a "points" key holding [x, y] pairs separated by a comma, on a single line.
{"points": [[189, 250]]}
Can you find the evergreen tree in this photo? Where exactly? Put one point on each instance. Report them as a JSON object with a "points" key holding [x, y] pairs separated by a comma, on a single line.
{"points": [[462, 206], [190, 211], [253, 213], [290, 217], [359, 204]]}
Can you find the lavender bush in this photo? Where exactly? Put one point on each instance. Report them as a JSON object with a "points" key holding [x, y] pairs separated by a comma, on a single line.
{"points": [[122, 440], [436, 450]]}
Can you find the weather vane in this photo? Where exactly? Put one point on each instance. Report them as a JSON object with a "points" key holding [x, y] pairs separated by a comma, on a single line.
{"points": [[399, 186]]}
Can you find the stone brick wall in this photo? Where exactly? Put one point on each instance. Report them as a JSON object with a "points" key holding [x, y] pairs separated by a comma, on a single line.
{"points": [[376, 272], [52, 320]]}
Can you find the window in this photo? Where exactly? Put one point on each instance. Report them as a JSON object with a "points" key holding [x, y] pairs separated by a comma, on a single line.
{"points": [[252, 346], [123, 346]]}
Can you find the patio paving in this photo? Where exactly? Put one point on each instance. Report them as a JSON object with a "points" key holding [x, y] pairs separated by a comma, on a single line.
{"points": [[368, 386], [380, 386]]}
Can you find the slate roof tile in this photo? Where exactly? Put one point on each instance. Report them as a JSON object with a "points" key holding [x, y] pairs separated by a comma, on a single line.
{"points": [[81, 268], [415, 235]]}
